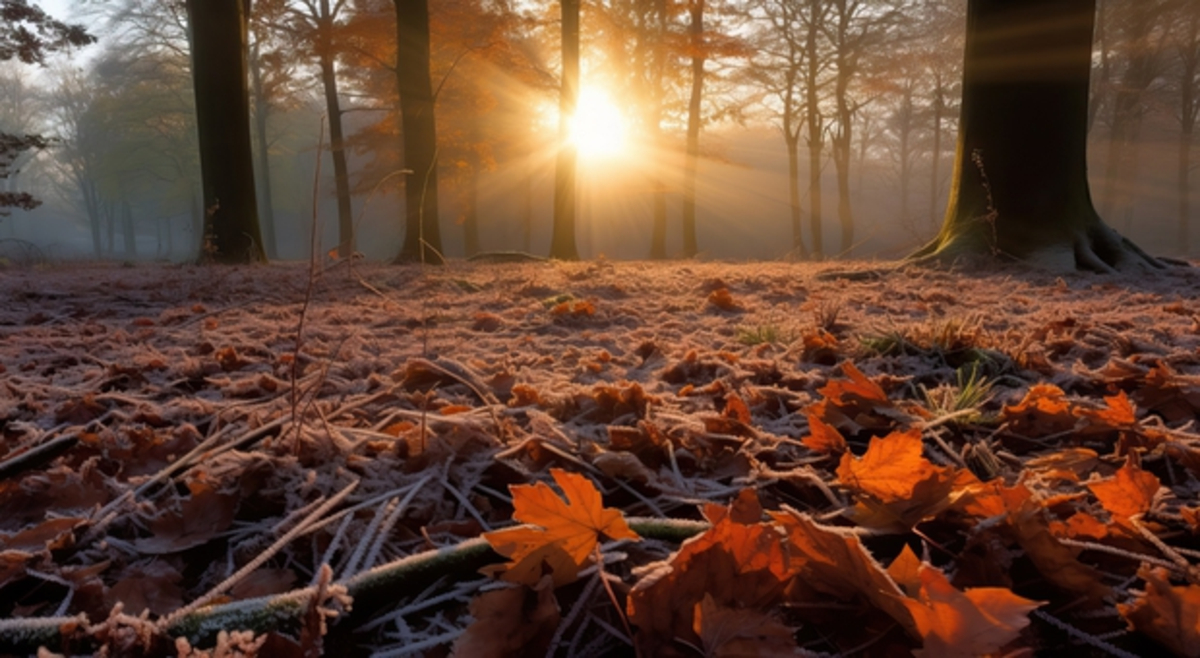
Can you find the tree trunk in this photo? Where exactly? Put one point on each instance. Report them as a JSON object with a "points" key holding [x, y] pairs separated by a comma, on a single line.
{"points": [[128, 234], [658, 191], [219, 75], [935, 183], [793, 151], [471, 212], [562, 241], [696, 32], [337, 144], [422, 234], [266, 204], [1184, 236], [1020, 188], [816, 127]]}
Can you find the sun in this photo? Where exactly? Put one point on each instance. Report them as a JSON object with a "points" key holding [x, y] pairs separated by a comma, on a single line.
{"points": [[599, 128]]}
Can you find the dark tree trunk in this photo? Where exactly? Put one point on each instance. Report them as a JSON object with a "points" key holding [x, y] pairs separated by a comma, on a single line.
{"points": [[219, 75], [262, 109], [1020, 188], [562, 241], [816, 125], [128, 234], [793, 153], [337, 144], [471, 211], [696, 33], [422, 234], [935, 174]]}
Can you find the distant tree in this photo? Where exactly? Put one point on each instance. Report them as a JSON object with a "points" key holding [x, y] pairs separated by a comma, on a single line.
{"points": [[422, 232], [1186, 45], [562, 240], [219, 75], [692, 153], [28, 34], [1020, 188]]}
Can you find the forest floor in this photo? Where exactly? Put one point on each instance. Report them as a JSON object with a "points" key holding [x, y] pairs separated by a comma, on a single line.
{"points": [[952, 463]]}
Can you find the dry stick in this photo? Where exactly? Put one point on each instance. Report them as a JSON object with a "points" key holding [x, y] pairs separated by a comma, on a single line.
{"points": [[37, 456], [308, 289], [168, 621]]}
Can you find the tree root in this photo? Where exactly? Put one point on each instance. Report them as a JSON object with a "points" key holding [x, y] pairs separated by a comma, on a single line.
{"points": [[370, 591]]}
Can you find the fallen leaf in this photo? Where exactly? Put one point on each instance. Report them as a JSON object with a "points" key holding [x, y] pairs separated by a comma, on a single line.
{"points": [[1043, 411], [1169, 614], [512, 622], [200, 517], [727, 632], [831, 563], [823, 437], [1129, 492], [977, 622], [905, 571], [574, 527], [1118, 413], [740, 566], [722, 299]]}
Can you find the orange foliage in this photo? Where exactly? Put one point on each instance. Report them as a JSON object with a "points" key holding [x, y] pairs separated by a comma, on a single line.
{"points": [[1043, 411], [976, 622], [1128, 493], [1169, 614], [566, 533], [723, 300]]}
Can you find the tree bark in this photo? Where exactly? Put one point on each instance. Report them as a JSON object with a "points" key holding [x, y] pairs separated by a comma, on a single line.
{"points": [[1020, 188], [422, 234], [562, 241], [816, 125], [337, 143], [219, 75], [696, 34]]}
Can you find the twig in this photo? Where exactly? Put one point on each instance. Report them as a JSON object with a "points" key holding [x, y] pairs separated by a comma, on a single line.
{"points": [[37, 456]]}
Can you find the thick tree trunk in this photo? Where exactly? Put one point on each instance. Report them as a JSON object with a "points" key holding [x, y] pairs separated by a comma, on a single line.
{"points": [[219, 75], [1020, 188], [562, 240], [337, 143], [696, 32], [422, 234]]}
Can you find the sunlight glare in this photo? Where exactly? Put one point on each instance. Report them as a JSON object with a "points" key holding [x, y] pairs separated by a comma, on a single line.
{"points": [[599, 128]]}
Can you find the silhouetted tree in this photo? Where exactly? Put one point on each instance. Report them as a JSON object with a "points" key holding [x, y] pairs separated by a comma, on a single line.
{"points": [[422, 233], [219, 74], [27, 34], [562, 241], [1020, 185], [692, 154]]}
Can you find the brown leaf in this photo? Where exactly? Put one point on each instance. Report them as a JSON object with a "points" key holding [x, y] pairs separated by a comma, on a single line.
{"points": [[823, 437], [153, 586], [510, 623], [722, 299], [1043, 411], [957, 624], [1169, 614], [836, 564], [740, 633], [202, 516], [1129, 492], [740, 566]]}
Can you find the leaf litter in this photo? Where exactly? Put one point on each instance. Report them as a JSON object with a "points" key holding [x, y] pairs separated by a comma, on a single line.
{"points": [[736, 452]]}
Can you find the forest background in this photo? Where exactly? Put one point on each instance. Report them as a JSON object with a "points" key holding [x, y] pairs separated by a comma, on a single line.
{"points": [[873, 81]]}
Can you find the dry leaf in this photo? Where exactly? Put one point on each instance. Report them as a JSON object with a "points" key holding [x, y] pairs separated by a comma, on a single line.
{"points": [[510, 623], [738, 565], [1043, 411], [823, 437], [1169, 614], [201, 517], [905, 571], [722, 299], [571, 529], [1129, 492], [956, 624], [740, 633]]}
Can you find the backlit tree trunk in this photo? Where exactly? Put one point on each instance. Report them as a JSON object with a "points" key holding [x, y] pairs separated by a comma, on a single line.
{"points": [[1020, 188], [562, 241], [337, 143], [219, 75], [696, 33], [422, 235]]}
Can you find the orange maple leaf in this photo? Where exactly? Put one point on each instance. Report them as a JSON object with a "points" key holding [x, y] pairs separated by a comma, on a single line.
{"points": [[1170, 615], [976, 622], [896, 486], [566, 532], [1129, 492], [1117, 414], [823, 437], [1043, 411]]}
